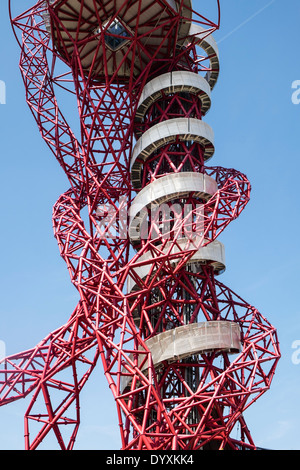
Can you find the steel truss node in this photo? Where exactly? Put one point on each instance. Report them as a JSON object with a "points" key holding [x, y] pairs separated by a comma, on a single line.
{"points": [[184, 356]]}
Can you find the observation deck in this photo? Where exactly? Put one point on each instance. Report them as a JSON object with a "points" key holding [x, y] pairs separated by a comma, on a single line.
{"points": [[118, 39]]}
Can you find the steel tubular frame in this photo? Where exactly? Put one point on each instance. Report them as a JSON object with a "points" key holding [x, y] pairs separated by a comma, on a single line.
{"points": [[195, 402]]}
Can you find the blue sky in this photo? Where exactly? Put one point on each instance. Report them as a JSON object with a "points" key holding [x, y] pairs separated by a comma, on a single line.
{"points": [[256, 128]]}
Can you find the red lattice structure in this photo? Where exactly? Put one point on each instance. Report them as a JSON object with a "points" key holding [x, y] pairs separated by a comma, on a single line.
{"points": [[183, 355]]}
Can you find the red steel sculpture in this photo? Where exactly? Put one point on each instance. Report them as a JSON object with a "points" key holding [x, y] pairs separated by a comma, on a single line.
{"points": [[184, 356]]}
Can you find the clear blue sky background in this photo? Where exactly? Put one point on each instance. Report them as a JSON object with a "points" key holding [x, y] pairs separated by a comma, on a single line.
{"points": [[256, 129]]}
